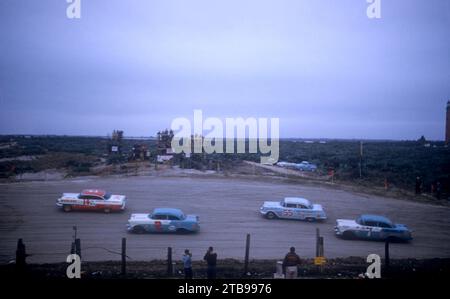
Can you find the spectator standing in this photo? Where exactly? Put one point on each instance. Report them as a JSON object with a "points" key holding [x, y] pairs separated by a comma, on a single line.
{"points": [[187, 264], [438, 190], [211, 260], [290, 264], [418, 185]]}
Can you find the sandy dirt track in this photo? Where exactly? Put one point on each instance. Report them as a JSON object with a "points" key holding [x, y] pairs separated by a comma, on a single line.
{"points": [[228, 210]]}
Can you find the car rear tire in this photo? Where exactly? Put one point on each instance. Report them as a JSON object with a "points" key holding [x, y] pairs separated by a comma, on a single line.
{"points": [[67, 208], [310, 219], [107, 210], [271, 215]]}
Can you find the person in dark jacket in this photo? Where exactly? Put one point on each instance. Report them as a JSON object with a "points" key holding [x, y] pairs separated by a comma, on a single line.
{"points": [[290, 264], [211, 260], [418, 185]]}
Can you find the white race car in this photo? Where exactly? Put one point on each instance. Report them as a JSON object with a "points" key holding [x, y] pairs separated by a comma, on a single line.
{"points": [[92, 199], [293, 208]]}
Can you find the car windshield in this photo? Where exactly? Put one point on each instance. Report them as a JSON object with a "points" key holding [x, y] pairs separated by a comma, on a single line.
{"points": [[107, 196]]}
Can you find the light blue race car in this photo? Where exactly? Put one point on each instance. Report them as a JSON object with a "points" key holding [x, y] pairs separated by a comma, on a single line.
{"points": [[372, 227], [163, 220]]}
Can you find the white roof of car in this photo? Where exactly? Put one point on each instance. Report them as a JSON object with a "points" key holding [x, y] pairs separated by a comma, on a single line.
{"points": [[297, 200]]}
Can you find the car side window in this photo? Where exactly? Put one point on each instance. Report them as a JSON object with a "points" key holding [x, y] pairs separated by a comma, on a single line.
{"points": [[384, 224], [301, 207], [291, 205], [160, 217], [90, 197], [371, 223], [172, 217]]}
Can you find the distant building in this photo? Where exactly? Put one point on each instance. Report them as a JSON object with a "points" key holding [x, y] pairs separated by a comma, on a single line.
{"points": [[447, 125]]}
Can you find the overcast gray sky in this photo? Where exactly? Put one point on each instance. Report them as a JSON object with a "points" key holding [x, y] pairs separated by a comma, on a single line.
{"points": [[321, 66]]}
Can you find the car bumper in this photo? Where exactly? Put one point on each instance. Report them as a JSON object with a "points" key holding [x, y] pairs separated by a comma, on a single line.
{"points": [[321, 217], [337, 232]]}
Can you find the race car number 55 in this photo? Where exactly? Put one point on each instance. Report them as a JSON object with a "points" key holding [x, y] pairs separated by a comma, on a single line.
{"points": [[288, 213], [246, 288]]}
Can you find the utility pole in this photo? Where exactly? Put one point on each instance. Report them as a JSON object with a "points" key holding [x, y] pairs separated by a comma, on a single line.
{"points": [[360, 159]]}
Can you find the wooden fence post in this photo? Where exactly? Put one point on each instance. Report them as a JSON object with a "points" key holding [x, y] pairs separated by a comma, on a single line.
{"points": [[78, 247], [169, 262], [247, 253], [317, 241], [386, 255], [124, 256]]}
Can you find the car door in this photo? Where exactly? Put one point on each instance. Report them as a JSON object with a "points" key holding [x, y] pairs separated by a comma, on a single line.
{"points": [[95, 202], [363, 230], [304, 212], [289, 211], [160, 223], [87, 202], [387, 230], [374, 230], [174, 224]]}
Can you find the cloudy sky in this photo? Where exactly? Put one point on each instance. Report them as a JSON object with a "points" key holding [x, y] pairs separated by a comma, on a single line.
{"points": [[321, 66]]}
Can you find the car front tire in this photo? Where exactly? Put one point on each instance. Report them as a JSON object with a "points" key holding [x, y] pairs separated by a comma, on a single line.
{"points": [[138, 229], [271, 215], [348, 235], [67, 208]]}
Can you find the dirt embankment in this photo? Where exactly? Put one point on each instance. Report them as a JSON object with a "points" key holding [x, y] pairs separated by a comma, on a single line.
{"points": [[342, 268]]}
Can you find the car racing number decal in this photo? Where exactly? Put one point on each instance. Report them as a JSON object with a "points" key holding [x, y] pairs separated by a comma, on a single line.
{"points": [[158, 225], [88, 202], [288, 213]]}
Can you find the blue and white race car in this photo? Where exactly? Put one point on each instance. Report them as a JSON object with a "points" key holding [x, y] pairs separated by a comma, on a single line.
{"points": [[293, 208], [163, 220], [372, 227]]}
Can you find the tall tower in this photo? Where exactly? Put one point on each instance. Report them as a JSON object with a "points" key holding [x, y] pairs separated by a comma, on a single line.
{"points": [[447, 125]]}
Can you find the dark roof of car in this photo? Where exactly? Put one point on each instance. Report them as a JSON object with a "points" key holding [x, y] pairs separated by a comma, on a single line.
{"points": [[375, 218], [168, 211]]}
